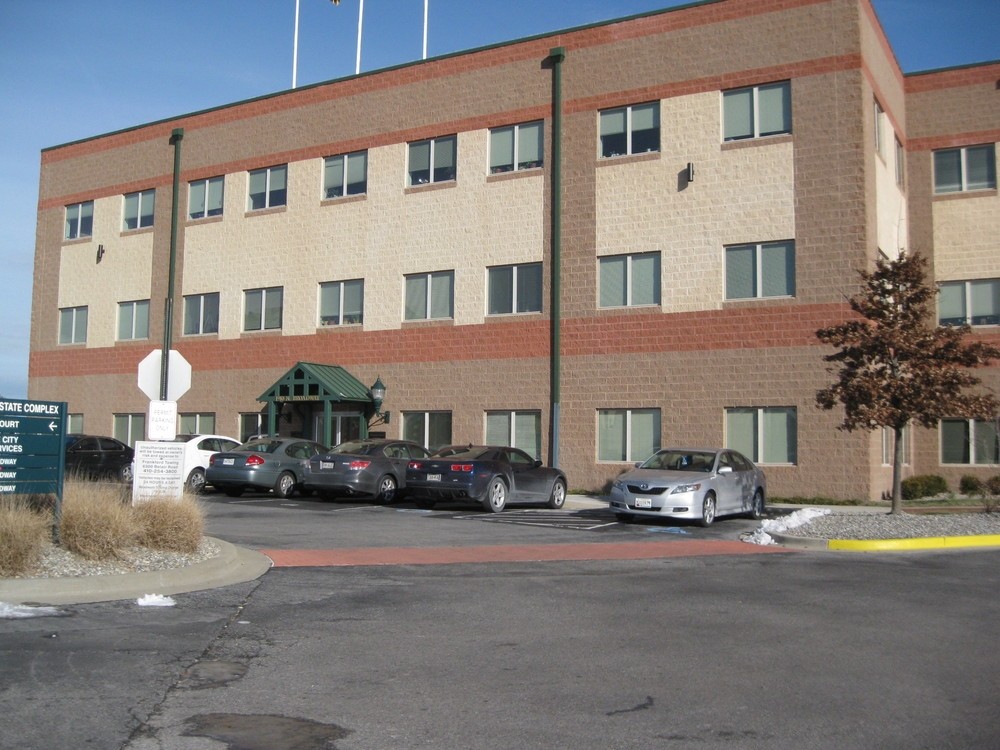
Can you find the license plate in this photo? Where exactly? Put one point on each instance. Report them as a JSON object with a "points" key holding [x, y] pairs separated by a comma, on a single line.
{"points": [[228, 461], [643, 502], [326, 465], [433, 477]]}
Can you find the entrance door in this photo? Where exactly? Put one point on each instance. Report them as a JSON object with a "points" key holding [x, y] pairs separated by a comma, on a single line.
{"points": [[344, 426]]}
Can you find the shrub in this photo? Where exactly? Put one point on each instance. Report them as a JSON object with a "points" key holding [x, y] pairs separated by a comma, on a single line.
{"points": [[95, 523], [923, 485], [970, 485], [24, 534], [993, 485], [170, 525]]}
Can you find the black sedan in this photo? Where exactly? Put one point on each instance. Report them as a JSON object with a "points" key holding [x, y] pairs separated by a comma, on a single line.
{"points": [[373, 468], [98, 457], [269, 463], [490, 475]]}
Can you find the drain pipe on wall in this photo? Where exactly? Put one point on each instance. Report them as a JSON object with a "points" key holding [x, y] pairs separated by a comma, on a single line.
{"points": [[557, 55]]}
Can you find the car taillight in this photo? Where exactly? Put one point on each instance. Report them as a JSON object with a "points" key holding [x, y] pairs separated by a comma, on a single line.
{"points": [[415, 465], [358, 465], [461, 467], [255, 460]]}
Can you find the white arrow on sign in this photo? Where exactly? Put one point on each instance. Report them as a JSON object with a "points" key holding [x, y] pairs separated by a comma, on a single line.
{"points": [[178, 375]]}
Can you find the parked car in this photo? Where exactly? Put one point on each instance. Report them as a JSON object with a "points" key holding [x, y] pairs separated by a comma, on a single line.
{"points": [[695, 484], [98, 457], [373, 468], [273, 463], [198, 449], [490, 475]]}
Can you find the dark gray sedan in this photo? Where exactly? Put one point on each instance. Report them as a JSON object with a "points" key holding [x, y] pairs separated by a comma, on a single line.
{"points": [[373, 468], [696, 484], [268, 463]]}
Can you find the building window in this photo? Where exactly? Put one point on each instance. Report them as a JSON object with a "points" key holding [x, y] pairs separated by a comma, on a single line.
{"points": [[969, 441], [961, 169], [205, 198], [79, 220], [888, 443], [262, 309], [430, 296], [900, 164], [518, 429], [253, 423], [74, 424], [432, 160], [627, 434], [196, 424], [879, 125], [515, 289], [139, 210], [767, 435], [201, 313], [630, 280], [133, 320], [974, 302], [516, 147], [630, 130], [341, 302], [73, 325], [346, 174], [765, 269], [757, 111], [431, 429], [268, 188], [130, 428]]}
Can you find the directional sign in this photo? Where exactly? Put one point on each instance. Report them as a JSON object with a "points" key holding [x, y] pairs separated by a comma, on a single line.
{"points": [[32, 447]]}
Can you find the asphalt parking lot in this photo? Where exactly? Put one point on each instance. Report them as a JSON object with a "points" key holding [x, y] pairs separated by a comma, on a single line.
{"points": [[792, 649]]}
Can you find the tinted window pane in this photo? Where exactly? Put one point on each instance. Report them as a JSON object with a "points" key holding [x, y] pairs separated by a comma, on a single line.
{"points": [[501, 291], [741, 274], [613, 281], [947, 171], [529, 288], [778, 270], [775, 104], [738, 114]]}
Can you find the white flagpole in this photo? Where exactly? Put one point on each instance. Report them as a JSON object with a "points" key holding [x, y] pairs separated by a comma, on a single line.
{"points": [[361, 15], [425, 28], [295, 45]]}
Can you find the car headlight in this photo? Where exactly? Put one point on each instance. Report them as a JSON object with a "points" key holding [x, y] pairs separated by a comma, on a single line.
{"points": [[685, 488], [617, 485]]}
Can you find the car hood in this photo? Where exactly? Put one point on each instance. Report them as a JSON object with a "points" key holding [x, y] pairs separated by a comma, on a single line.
{"points": [[663, 477]]}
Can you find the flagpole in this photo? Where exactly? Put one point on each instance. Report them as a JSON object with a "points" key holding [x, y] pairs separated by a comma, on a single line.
{"points": [[361, 15], [295, 45], [425, 28]]}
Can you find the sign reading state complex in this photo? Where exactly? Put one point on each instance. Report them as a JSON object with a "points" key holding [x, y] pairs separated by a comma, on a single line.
{"points": [[32, 439]]}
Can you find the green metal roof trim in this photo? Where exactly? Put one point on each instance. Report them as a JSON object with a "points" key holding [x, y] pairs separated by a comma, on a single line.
{"points": [[307, 381]]}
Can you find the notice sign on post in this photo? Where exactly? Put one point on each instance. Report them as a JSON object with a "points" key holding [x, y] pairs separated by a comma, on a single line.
{"points": [[32, 447], [159, 471]]}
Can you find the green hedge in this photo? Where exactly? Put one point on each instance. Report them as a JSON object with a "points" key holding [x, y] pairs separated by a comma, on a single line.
{"points": [[923, 485]]}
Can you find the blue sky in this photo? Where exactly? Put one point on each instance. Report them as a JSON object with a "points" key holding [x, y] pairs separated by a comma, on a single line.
{"points": [[71, 70]]}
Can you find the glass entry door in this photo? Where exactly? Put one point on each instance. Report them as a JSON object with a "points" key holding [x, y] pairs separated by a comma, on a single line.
{"points": [[344, 426]]}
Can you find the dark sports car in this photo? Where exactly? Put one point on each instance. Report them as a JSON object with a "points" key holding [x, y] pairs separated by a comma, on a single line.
{"points": [[98, 457], [273, 463], [490, 475], [374, 468]]}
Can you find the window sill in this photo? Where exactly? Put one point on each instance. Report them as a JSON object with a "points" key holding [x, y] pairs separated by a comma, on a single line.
{"points": [[265, 211], [960, 194], [430, 186], [747, 301], [341, 326], [268, 332], [341, 199], [203, 220], [427, 323], [515, 174], [77, 241], [512, 317], [133, 232], [764, 140], [604, 161], [212, 334]]}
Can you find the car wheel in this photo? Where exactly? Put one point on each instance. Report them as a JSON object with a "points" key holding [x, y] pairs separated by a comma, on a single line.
{"points": [[757, 506], [285, 485], [196, 481], [708, 510], [496, 496], [233, 491], [125, 473], [558, 497], [624, 517], [386, 489]]}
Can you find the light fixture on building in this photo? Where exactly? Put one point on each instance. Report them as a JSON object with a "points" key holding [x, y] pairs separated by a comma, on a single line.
{"points": [[378, 396], [100, 252], [690, 172]]}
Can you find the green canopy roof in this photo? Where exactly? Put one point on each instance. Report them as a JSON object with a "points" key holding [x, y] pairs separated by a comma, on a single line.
{"points": [[307, 381]]}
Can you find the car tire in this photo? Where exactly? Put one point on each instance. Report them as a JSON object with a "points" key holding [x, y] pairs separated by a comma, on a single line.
{"points": [[196, 481], [425, 503], [708, 509], [558, 497], [233, 491], [495, 499], [285, 485], [757, 506], [125, 474], [386, 489]]}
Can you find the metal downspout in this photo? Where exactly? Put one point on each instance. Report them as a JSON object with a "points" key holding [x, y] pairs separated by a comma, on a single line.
{"points": [[557, 55]]}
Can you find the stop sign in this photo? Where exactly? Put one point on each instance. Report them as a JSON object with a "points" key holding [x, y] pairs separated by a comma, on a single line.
{"points": [[178, 375]]}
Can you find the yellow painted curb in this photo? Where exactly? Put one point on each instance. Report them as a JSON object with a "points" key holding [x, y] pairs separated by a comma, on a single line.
{"points": [[936, 542]]}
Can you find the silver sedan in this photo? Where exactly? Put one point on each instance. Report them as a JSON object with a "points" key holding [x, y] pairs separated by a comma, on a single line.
{"points": [[697, 484]]}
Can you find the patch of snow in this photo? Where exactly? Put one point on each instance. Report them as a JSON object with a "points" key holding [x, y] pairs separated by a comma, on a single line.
{"points": [[780, 525], [155, 600], [18, 611]]}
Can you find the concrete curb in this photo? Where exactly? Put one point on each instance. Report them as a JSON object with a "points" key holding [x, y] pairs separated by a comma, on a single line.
{"points": [[232, 565]]}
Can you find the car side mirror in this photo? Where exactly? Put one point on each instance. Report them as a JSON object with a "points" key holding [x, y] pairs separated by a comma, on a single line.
{"points": [[538, 462]]}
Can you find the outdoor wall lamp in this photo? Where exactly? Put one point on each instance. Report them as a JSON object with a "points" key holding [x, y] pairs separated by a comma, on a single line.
{"points": [[378, 396], [690, 172], [100, 252]]}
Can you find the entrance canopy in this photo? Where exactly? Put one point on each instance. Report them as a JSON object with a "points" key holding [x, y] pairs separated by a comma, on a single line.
{"points": [[321, 384]]}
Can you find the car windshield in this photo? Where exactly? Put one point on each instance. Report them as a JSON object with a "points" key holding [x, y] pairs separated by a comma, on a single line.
{"points": [[260, 446], [672, 460], [357, 447]]}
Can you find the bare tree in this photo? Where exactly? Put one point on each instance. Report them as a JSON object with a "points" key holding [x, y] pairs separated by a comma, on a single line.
{"points": [[895, 366]]}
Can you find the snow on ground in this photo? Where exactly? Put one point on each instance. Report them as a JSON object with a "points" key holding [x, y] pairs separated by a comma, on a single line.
{"points": [[783, 524], [18, 611]]}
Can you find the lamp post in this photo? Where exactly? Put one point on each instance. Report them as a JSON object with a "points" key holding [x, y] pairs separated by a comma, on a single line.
{"points": [[378, 396]]}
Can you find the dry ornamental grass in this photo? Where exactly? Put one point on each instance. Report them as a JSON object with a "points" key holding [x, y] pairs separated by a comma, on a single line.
{"points": [[24, 533]]}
